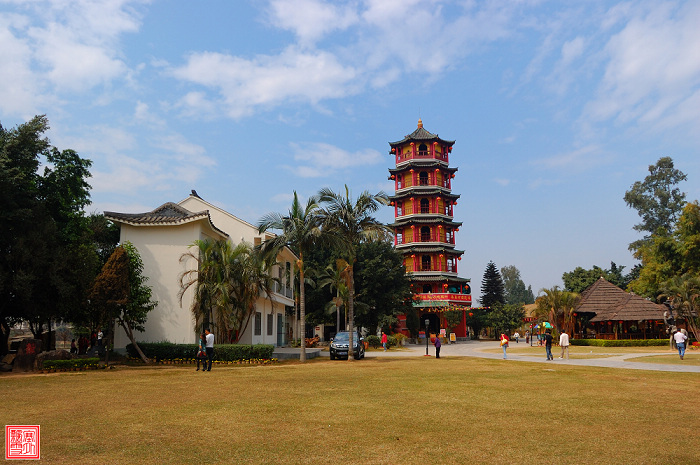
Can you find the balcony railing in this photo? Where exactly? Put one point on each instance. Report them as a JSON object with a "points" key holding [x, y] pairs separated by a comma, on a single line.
{"points": [[400, 240]]}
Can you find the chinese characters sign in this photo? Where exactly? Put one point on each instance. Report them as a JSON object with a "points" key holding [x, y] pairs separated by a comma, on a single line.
{"points": [[22, 442]]}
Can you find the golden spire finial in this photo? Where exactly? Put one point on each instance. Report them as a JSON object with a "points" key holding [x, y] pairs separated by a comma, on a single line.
{"points": [[420, 123]]}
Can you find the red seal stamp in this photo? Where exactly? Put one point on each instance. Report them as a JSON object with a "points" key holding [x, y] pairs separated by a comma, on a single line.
{"points": [[22, 442]]}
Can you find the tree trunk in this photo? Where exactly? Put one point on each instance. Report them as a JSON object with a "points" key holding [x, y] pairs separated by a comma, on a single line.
{"points": [[351, 312], [130, 334], [302, 311], [4, 337]]}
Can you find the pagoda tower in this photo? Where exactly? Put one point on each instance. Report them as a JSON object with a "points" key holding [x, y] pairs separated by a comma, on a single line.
{"points": [[424, 228]]}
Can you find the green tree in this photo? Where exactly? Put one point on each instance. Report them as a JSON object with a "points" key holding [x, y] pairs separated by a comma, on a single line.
{"points": [[505, 317], [657, 199], [352, 222], [666, 256], [44, 261], [121, 290], [381, 283], [514, 288], [335, 277], [580, 279], [683, 294], [492, 289], [557, 307], [300, 230]]}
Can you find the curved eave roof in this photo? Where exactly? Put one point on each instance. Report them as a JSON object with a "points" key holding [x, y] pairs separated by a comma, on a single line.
{"points": [[429, 249], [415, 276], [412, 192], [422, 135], [408, 221], [436, 164], [168, 214]]}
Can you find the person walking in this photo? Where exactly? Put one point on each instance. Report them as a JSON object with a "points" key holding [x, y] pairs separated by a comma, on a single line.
{"points": [[209, 338], [680, 339], [385, 340], [548, 344], [437, 344], [516, 336], [202, 351], [504, 344], [73, 347], [564, 344]]}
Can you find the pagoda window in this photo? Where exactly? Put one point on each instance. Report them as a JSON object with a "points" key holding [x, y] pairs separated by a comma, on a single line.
{"points": [[399, 181], [423, 178], [399, 236], [399, 208], [425, 234], [424, 206], [427, 288], [448, 236], [425, 263], [450, 265], [422, 150]]}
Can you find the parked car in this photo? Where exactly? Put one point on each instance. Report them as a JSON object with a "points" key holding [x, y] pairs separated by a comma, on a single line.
{"points": [[341, 342]]}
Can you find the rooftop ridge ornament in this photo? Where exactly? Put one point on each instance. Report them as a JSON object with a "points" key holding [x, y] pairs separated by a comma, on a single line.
{"points": [[420, 123]]}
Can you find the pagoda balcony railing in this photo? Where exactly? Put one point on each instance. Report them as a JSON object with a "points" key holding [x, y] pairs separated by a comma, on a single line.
{"points": [[432, 268], [400, 240], [405, 184], [447, 211], [421, 154]]}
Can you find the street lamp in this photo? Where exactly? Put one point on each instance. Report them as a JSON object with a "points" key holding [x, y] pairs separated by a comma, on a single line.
{"points": [[427, 335]]}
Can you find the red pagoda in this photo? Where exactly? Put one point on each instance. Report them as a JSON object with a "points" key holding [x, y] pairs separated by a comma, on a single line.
{"points": [[424, 229]]}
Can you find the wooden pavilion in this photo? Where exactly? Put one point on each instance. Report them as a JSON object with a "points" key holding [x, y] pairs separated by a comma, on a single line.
{"points": [[607, 312]]}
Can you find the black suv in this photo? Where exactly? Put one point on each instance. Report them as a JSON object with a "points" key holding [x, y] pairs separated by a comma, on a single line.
{"points": [[340, 343]]}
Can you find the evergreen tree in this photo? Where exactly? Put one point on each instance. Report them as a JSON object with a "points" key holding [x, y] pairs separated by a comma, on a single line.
{"points": [[515, 290], [492, 288]]}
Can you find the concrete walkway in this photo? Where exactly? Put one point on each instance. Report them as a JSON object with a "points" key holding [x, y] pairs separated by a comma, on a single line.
{"points": [[476, 349]]}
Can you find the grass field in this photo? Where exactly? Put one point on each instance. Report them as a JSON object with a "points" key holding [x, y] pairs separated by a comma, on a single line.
{"points": [[374, 411]]}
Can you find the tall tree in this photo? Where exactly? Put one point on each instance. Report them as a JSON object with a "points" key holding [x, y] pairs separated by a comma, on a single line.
{"points": [[557, 306], [492, 288], [580, 279], [300, 230], [382, 284], [657, 199], [505, 317], [683, 294], [122, 291], [514, 288], [41, 223], [352, 222]]}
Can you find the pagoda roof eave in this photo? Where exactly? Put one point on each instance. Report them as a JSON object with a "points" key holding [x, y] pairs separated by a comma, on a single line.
{"points": [[428, 248], [421, 134], [428, 191], [435, 278], [425, 165], [407, 222]]}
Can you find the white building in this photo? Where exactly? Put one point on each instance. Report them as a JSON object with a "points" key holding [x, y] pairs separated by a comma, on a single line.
{"points": [[164, 235]]}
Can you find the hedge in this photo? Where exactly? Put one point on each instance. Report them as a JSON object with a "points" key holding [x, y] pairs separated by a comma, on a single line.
{"points": [[376, 342], [223, 352], [620, 342], [70, 364]]}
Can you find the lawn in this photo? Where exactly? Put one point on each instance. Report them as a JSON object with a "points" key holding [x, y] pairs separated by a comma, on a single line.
{"points": [[374, 411]]}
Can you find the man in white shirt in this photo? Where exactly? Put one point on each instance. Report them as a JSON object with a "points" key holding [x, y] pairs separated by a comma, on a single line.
{"points": [[680, 339], [564, 344], [210, 348]]}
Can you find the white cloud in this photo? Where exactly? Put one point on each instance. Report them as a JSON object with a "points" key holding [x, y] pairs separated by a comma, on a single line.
{"points": [[653, 67], [292, 76], [310, 20], [575, 161], [319, 159]]}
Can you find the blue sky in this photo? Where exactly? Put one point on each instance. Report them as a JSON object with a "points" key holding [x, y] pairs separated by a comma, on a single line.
{"points": [[557, 107]]}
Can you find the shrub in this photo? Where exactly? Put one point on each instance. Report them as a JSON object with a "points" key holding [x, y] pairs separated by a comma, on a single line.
{"points": [[374, 341], [400, 338], [620, 342], [70, 364], [223, 352], [390, 341]]}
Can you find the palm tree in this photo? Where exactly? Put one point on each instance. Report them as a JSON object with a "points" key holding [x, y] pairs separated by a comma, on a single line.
{"points": [[683, 293], [352, 222], [336, 277], [299, 230], [206, 278], [557, 306]]}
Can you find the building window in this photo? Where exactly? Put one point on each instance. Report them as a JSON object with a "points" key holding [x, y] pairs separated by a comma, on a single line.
{"points": [[424, 206], [258, 324], [423, 178], [399, 181], [427, 288], [425, 234], [425, 263], [270, 322], [399, 208]]}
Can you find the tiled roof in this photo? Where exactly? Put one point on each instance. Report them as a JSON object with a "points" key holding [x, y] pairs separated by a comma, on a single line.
{"points": [[415, 276], [424, 190], [421, 134], [410, 220], [167, 214], [425, 164], [611, 303]]}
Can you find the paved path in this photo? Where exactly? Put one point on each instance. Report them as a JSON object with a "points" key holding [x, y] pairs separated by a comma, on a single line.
{"points": [[476, 349]]}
